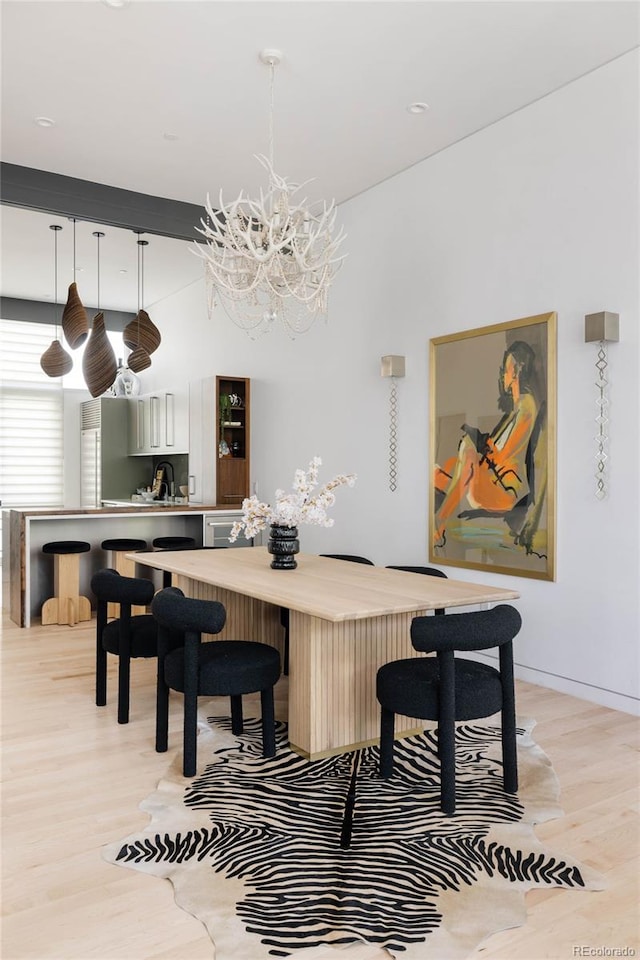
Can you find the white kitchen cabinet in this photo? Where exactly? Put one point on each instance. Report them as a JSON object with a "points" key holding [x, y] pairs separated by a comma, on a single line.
{"points": [[203, 441], [159, 423]]}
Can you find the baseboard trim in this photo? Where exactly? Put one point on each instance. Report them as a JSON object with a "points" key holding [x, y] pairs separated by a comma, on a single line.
{"points": [[575, 688]]}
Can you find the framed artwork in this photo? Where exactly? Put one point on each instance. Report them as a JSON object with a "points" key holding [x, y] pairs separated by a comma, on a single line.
{"points": [[493, 443]]}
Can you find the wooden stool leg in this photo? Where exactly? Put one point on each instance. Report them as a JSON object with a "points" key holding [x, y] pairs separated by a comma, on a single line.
{"points": [[126, 568], [66, 606]]}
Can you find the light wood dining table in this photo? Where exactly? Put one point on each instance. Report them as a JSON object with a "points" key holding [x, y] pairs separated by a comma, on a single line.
{"points": [[346, 621]]}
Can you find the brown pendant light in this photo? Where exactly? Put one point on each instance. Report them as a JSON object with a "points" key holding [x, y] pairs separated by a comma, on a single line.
{"points": [[99, 364], [75, 323], [139, 358], [141, 331], [55, 361]]}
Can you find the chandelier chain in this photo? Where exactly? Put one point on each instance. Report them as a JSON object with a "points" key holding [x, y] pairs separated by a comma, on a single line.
{"points": [[272, 75]]}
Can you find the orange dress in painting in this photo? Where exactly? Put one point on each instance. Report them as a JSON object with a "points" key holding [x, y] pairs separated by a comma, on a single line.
{"points": [[489, 471]]}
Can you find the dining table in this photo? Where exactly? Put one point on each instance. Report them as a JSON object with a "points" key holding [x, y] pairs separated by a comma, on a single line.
{"points": [[345, 621]]}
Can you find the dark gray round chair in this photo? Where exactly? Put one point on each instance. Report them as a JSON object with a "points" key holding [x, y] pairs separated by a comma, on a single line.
{"points": [[445, 688], [428, 571], [348, 556], [425, 571], [129, 636], [172, 543], [218, 668]]}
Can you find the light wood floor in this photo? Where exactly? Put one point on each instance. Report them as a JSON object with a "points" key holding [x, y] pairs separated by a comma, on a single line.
{"points": [[73, 778]]}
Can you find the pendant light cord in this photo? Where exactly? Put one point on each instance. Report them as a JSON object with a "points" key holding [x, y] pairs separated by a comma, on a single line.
{"points": [[55, 279], [98, 246], [74, 250], [98, 273], [140, 268]]}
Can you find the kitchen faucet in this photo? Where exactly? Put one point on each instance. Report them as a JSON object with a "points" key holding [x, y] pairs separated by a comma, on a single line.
{"points": [[169, 489]]}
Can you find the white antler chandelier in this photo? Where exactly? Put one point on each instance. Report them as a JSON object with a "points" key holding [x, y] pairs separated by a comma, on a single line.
{"points": [[273, 258]]}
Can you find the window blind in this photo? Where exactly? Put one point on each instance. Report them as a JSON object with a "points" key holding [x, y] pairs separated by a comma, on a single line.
{"points": [[31, 419]]}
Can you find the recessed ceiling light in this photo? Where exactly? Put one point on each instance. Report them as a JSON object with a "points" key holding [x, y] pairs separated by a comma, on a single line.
{"points": [[45, 121], [116, 4], [418, 107], [170, 136]]}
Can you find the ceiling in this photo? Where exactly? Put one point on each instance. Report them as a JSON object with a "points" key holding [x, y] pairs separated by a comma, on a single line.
{"points": [[169, 98]]}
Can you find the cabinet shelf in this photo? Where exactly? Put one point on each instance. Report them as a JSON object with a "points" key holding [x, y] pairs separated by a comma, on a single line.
{"points": [[232, 475]]}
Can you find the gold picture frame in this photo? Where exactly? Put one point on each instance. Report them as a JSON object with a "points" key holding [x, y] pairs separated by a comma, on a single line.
{"points": [[492, 489]]}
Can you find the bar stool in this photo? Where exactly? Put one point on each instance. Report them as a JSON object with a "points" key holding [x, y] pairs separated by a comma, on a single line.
{"points": [[126, 568], [66, 605], [172, 543]]}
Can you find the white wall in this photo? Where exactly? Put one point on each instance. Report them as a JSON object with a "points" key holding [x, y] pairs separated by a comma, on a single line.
{"points": [[537, 213]]}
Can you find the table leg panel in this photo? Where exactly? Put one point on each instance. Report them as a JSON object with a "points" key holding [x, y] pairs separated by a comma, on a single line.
{"points": [[333, 666]]}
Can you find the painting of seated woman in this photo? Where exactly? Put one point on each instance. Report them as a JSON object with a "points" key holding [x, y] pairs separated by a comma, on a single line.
{"points": [[492, 451]]}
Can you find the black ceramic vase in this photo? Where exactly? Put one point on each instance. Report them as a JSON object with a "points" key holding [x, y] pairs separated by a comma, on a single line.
{"points": [[283, 546]]}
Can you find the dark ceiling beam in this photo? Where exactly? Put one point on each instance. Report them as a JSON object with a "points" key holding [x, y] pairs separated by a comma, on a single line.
{"points": [[98, 203], [39, 311]]}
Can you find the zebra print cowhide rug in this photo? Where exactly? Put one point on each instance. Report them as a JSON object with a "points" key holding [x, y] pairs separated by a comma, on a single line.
{"points": [[286, 857]]}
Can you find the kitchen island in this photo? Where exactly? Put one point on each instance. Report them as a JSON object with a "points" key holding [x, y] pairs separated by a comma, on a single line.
{"points": [[28, 574]]}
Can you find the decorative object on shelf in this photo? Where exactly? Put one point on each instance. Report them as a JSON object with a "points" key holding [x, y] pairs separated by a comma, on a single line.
{"points": [[291, 509], [492, 461], [55, 361], [126, 383], [273, 258], [224, 412], [233, 423], [99, 364], [602, 328], [283, 545], [75, 323], [141, 335], [393, 366]]}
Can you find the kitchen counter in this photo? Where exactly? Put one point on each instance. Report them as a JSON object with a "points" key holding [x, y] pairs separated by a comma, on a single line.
{"points": [[28, 574], [126, 508]]}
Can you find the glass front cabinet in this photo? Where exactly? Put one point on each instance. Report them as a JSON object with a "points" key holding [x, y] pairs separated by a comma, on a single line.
{"points": [[233, 405]]}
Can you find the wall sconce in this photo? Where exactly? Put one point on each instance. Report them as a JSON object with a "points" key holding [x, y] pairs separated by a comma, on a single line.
{"points": [[602, 328], [393, 366]]}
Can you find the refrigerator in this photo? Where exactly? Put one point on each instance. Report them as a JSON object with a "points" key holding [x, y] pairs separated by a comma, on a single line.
{"points": [[107, 472]]}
